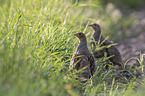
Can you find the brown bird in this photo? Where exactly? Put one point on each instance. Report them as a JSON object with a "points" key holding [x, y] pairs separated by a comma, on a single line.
{"points": [[83, 58], [111, 51]]}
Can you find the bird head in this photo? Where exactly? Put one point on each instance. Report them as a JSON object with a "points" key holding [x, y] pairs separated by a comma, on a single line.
{"points": [[80, 35], [95, 26]]}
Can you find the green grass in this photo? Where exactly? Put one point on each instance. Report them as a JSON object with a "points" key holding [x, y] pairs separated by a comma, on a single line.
{"points": [[36, 46]]}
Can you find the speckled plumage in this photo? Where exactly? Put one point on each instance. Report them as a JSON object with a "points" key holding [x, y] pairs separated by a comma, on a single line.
{"points": [[111, 51], [83, 58]]}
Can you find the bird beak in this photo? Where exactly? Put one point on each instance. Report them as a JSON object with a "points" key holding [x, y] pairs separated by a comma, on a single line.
{"points": [[75, 34], [90, 25]]}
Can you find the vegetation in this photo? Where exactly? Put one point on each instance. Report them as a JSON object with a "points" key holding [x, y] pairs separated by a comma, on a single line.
{"points": [[36, 46], [125, 3]]}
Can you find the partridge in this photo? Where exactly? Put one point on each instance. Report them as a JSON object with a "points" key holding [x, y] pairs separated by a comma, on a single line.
{"points": [[83, 58], [111, 51]]}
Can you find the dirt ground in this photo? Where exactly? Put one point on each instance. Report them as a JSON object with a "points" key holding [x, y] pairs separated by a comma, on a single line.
{"points": [[133, 46]]}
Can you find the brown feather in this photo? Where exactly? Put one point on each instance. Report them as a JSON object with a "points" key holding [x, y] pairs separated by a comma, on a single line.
{"points": [[96, 35], [83, 58]]}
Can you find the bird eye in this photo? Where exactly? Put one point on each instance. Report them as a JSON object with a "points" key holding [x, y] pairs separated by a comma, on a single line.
{"points": [[80, 34]]}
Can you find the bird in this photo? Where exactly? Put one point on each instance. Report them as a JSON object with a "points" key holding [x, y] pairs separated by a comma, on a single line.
{"points": [[112, 51], [83, 58]]}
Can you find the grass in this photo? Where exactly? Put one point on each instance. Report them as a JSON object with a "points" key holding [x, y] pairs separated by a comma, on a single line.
{"points": [[36, 46]]}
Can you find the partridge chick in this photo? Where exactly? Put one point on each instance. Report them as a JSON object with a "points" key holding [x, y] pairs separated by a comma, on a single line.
{"points": [[83, 58], [111, 51]]}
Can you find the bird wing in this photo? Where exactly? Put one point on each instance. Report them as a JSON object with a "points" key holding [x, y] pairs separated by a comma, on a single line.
{"points": [[80, 62], [75, 62], [84, 65], [114, 51], [99, 54], [92, 64]]}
